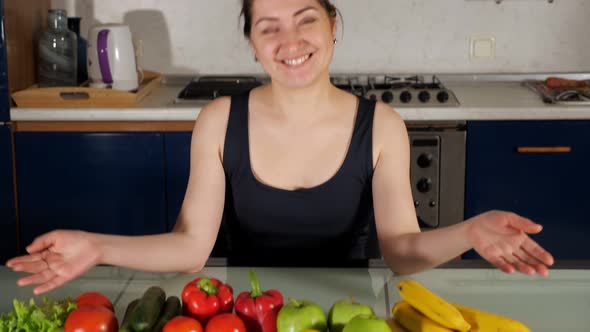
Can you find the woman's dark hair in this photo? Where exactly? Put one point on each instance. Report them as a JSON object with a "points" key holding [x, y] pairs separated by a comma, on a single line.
{"points": [[246, 12]]}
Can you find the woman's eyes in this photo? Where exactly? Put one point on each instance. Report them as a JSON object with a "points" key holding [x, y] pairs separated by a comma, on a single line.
{"points": [[308, 20], [304, 21], [270, 30]]}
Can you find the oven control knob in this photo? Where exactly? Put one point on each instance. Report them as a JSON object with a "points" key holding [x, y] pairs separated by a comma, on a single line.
{"points": [[425, 160], [405, 97], [424, 185], [442, 96], [387, 97], [424, 96], [423, 223]]}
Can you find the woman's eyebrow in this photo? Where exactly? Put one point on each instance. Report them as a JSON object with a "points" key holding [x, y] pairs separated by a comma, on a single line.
{"points": [[300, 11], [274, 19]]}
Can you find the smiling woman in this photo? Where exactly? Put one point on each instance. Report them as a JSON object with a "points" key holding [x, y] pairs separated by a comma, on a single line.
{"points": [[294, 41], [303, 174]]}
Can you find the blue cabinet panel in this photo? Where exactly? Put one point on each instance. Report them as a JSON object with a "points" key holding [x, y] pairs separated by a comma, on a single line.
{"points": [[101, 182], [177, 173], [549, 188], [7, 207]]}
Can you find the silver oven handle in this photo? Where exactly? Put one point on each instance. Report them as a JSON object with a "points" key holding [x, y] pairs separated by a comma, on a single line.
{"points": [[544, 149]]}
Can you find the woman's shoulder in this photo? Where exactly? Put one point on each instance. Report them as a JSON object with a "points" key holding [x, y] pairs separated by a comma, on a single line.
{"points": [[211, 122], [215, 110], [387, 117], [388, 126]]}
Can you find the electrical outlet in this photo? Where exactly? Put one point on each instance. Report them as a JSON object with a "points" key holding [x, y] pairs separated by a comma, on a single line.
{"points": [[482, 47]]}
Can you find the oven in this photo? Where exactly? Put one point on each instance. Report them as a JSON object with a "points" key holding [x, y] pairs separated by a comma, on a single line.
{"points": [[437, 172]]}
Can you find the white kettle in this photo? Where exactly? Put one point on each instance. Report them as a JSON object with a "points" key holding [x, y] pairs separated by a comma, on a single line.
{"points": [[111, 58]]}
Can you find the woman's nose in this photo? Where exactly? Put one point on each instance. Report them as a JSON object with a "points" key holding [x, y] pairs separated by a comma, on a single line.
{"points": [[291, 40]]}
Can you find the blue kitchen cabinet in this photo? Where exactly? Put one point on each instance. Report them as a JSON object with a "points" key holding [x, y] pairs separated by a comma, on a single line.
{"points": [[8, 243], [100, 182], [177, 173], [4, 95], [549, 188], [7, 206]]}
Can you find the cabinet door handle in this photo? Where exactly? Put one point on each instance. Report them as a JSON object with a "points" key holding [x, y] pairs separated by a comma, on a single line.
{"points": [[544, 149]]}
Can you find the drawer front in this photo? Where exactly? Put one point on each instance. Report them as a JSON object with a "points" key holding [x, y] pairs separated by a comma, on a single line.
{"points": [[537, 169]]}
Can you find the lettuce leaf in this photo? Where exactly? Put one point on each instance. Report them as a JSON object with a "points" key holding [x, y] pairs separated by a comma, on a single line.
{"points": [[47, 317]]}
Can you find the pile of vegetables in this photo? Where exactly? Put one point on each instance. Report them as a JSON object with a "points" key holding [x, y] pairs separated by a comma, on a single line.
{"points": [[48, 316], [204, 305]]}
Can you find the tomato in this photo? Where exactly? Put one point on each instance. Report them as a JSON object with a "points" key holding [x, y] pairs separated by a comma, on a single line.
{"points": [[91, 319], [182, 324], [94, 298], [225, 323]]}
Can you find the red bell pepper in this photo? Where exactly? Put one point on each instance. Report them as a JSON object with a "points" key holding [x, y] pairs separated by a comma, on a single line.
{"points": [[204, 298], [259, 309]]}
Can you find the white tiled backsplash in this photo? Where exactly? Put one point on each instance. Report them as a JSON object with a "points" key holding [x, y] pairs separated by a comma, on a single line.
{"points": [[395, 36]]}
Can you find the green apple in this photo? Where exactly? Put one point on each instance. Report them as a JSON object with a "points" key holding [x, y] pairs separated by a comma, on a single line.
{"points": [[300, 315], [366, 323], [343, 311]]}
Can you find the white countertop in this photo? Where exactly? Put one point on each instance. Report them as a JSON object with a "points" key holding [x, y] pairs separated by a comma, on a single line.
{"points": [[479, 101], [559, 302]]}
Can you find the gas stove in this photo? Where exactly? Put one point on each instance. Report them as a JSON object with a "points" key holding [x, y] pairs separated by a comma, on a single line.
{"points": [[397, 91]]}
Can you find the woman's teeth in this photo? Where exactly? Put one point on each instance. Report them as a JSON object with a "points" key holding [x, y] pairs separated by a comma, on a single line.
{"points": [[298, 61]]}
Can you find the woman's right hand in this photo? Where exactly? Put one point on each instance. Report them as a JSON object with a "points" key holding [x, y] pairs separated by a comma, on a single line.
{"points": [[55, 258]]}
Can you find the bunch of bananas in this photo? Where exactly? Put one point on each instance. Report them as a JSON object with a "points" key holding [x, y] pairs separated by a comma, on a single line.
{"points": [[421, 310]]}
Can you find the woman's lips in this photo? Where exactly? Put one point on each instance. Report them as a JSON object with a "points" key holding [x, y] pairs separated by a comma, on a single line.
{"points": [[294, 62]]}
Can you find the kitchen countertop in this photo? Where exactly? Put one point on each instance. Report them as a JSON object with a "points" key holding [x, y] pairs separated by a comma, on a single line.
{"points": [[557, 303], [480, 100]]}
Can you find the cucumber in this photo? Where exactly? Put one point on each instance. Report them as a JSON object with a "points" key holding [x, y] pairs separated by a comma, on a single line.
{"points": [[148, 309], [125, 324], [172, 308]]}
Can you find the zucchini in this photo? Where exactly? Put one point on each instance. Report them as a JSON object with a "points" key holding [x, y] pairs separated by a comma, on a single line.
{"points": [[172, 308], [148, 309], [125, 326]]}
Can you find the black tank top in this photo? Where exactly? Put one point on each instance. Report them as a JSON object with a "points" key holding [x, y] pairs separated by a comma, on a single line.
{"points": [[331, 224]]}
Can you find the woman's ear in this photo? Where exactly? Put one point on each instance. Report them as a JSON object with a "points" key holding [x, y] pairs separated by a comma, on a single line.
{"points": [[253, 50], [334, 29]]}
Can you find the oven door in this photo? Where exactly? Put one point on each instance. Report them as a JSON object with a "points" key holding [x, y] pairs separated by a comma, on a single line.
{"points": [[437, 172]]}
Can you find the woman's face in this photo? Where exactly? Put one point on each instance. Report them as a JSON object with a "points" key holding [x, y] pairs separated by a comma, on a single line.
{"points": [[292, 39]]}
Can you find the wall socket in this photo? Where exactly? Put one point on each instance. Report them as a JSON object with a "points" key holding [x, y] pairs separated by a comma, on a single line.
{"points": [[482, 47]]}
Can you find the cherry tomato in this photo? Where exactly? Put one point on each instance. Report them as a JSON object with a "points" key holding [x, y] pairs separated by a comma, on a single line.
{"points": [[94, 298], [225, 323], [91, 319], [183, 324]]}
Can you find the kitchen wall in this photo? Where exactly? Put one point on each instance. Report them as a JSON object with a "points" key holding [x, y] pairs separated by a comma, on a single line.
{"points": [[393, 36]]}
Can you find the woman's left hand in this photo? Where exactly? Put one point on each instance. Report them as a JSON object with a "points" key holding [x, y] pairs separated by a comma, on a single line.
{"points": [[502, 239]]}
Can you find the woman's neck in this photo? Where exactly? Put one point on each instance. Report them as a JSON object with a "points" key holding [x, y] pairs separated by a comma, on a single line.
{"points": [[302, 103]]}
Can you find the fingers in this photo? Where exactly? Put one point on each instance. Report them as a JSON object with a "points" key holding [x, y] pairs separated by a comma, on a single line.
{"points": [[501, 264], [534, 263], [521, 265], [533, 249], [41, 242], [30, 267], [508, 260], [37, 278], [494, 255], [524, 224], [23, 259], [51, 284]]}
